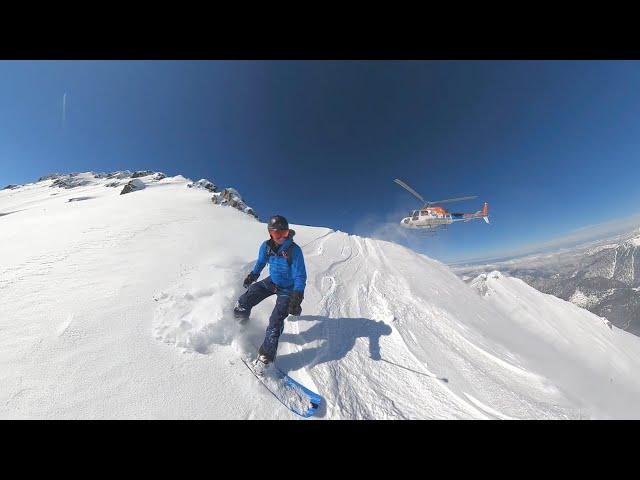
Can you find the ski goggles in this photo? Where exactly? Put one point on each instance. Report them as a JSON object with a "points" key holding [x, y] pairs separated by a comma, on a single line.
{"points": [[278, 234]]}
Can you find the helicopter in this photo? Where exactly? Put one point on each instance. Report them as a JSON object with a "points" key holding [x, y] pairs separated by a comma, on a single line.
{"points": [[431, 217]]}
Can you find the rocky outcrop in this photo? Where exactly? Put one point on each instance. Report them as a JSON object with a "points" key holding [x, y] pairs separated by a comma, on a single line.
{"points": [[231, 197], [133, 186], [203, 183], [70, 181], [120, 174], [142, 173], [11, 187], [51, 176]]}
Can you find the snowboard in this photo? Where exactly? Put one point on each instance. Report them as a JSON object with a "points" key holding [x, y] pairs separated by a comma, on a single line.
{"points": [[293, 395]]}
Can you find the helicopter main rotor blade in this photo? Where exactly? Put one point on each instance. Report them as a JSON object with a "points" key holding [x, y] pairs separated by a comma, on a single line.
{"points": [[411, 190], [459, 199]]}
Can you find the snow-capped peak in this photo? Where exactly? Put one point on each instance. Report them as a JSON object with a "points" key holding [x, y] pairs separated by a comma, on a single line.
{"points": [[634, 241]]}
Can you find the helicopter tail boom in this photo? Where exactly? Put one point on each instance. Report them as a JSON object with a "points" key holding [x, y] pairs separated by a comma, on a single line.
{"points": [[484, 214]]}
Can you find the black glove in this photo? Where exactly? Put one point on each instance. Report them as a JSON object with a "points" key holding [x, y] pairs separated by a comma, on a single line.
{"points": [[252, 277], [294, 303]]}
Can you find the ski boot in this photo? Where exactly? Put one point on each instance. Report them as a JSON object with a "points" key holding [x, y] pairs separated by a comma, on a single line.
{"points": [[241, 314], [262, 365]]}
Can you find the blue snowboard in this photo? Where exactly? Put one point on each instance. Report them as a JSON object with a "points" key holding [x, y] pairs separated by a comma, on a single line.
{"points": [[296, 397]]}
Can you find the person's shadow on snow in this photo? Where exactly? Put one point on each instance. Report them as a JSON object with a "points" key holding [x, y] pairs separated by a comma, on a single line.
{"points": [[335, 337]]}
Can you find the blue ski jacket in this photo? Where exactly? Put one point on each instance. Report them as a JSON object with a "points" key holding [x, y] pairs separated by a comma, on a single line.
{"points": [[285, 277]]}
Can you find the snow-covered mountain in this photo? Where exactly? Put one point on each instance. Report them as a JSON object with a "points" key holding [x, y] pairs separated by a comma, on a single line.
{"points": [[601, 276], [118, 306]]}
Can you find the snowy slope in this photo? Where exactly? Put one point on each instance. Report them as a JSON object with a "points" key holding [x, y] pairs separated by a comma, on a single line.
{"points": [[601, 275], [118, 306], [594, 363]]}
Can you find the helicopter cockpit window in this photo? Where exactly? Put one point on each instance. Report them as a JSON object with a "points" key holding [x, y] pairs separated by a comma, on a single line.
{"points": [[415, 214]]}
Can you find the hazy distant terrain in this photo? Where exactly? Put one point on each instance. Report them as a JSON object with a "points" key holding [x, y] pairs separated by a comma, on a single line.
{"points": [[602, 276]]}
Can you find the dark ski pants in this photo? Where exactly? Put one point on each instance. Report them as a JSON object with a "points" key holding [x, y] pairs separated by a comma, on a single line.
{"points": [[253, 296]]}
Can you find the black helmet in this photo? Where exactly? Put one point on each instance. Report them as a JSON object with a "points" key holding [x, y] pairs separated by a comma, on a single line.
{"points": [[278, 222]]}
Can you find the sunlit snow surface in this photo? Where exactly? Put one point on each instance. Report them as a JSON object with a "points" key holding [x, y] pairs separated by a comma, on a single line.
{"points": [[119, 306]]}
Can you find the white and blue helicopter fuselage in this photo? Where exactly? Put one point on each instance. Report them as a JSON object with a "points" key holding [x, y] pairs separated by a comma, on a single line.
{"points": [[434, 217]]}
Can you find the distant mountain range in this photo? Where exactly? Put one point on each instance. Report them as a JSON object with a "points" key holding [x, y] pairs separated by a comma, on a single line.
{"points": [[601, 276]]}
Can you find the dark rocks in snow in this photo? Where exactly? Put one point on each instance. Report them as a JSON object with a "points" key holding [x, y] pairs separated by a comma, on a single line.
{"points": [[231, 198], [69, 181], [203, 183], [142, 173], [51, 176], [120, 174], [133, 186], [11, 187], [229, 195]]}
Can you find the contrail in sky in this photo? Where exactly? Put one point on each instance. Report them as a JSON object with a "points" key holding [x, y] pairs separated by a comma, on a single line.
{"points": [[64, 108]]}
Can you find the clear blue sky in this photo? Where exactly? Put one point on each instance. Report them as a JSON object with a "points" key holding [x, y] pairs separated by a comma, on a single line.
{"points": [[552, 146]]}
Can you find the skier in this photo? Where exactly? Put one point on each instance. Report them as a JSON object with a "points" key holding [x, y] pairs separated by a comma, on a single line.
{"points": [[287, 279]]}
